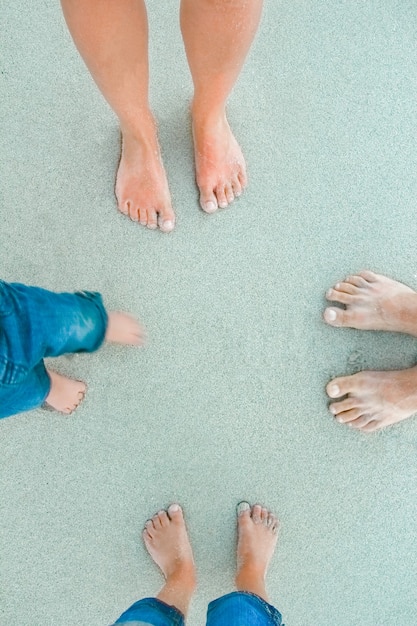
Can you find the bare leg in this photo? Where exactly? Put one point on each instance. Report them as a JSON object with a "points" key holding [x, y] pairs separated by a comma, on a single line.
{"points": [[65, 394], [217, 36], [112, 38], [373, 302], [166, 540], [257, 538]]}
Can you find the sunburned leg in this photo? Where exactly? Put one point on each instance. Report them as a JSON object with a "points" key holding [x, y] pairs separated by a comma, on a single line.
{"points": [[373, 302], [65, 394], [217, 36], [167, 542], [124, 329], [257, 538], [112, 37], [374, 399]]}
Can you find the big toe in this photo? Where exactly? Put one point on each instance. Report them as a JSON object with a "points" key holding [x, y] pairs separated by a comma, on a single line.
{"points": [[336, 317], [339, 387], [175, 513]]}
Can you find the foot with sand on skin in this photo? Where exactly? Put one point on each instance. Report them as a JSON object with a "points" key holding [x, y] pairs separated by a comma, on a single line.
{"points": [[66, 394], [166, 539], [374, 399]]}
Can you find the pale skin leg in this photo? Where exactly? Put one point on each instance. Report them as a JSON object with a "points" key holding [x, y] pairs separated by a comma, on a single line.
{"points": [[257, 538], [167, 542], [374, 399], [66, 394], [217, 36], [112, 38]]}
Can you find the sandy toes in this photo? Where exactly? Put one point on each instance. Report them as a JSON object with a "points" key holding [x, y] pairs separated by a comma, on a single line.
{"points": [[220, 166], [141, 184], [373, 302], [374, 399]]}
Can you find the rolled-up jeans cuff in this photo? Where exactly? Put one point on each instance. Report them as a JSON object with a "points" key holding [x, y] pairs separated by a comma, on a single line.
{"points": [[153, 612], [242, 608]]}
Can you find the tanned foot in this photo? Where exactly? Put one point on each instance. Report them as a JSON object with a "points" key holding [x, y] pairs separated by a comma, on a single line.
{"points": [[373, 302], [141, 184], [220, 166], [65, 394], [257, 538], [374, 399], [124, 329], [166, 540]]}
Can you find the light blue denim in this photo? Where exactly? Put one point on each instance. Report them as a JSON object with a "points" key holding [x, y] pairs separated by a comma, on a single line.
{"points": [[34, 324], [239, 608]]}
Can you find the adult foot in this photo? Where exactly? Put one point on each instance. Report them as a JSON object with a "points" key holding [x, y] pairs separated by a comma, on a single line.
{"points": [[220, 166], [373, 302], [123, 328], [374, 399], [65, 393], [257, 538], [166, 540], [141, 184]]}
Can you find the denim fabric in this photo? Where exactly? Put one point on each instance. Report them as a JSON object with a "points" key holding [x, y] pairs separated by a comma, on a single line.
{"points": [[235, 609], [241, 608], [151, 612], [36, 323]]}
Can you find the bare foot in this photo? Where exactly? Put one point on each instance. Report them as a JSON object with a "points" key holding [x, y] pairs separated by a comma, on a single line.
{"points": [[220, 166], [257, 538], [141, 184], [65, 394], [373, 302], [167, 542], [123, 328], [374, 399]]}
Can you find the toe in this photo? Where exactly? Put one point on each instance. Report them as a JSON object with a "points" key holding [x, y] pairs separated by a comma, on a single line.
{"points": [[221, 197], [264, 516], [361, 421], [337, 317], [371, 427], [348, 416], [208, 201], [256, 513], [175, 513], [149, 528], [243, 509], [370, 277], [143, 217], [237, 187], [346, 288], [152, 219], [156, 522], [124, 207], [243, 179], [229, 194], [133, 212], [339, 387], [163, 518], [343, 405], [339, 296], [356, 280], [166, 225]]}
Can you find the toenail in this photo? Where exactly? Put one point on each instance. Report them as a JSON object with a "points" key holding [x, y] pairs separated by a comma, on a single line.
{"points": [[242, 507], [210, 207], [173, 508], [331, 315], [339, 419], [168, 225], [152, 226], [334, 391]]}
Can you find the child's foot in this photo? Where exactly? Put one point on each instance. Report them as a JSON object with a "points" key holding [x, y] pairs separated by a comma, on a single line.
{"points": [[166, 540], [124, 329], [65, 394], [373, 302], [374, 399], [141, 184], [220, 166], [257, 538]]}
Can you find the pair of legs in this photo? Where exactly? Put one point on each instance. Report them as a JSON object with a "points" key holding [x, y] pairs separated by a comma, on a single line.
{"points": [[374, 399], [112, 37], [166, 540], [36, 323]]}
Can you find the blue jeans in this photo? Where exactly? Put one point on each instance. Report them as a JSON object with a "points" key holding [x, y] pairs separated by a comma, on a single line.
{"points": [[36, 323], [239, 608]]}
